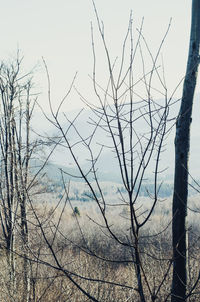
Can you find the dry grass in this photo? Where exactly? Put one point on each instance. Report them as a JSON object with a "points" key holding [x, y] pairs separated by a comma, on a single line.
{"points": [[75, 238]]}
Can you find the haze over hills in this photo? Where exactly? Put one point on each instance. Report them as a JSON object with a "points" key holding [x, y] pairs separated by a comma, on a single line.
{"points": [[107, 164]]}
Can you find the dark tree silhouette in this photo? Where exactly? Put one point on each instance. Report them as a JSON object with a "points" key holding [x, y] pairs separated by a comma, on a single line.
{"points": [[182, 146]]}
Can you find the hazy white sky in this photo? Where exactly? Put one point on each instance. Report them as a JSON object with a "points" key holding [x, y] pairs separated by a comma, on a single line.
{"points": [[60, 32]]}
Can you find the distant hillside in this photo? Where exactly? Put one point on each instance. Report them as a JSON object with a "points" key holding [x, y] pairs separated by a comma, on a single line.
{"points": [[107, 164]]}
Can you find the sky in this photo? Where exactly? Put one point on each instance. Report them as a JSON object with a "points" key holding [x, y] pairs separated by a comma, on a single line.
{"points": [[60, 32]]}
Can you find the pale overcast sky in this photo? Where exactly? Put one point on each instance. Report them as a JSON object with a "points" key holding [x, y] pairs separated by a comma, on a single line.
{"points": [[60, 32]]}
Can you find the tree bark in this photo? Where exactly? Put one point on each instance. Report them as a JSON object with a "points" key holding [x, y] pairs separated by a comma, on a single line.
{"points": [[182, 146]]}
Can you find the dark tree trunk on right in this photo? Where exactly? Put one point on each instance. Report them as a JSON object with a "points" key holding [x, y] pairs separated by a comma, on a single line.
{"points": [[182, 146]]}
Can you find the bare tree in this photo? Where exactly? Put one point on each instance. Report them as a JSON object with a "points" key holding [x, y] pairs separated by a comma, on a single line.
{"points": [[135, 127], [182, 146], [16, 150]]}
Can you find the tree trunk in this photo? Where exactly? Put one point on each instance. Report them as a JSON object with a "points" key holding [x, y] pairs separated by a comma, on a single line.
{"points": [[182, 146]]}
